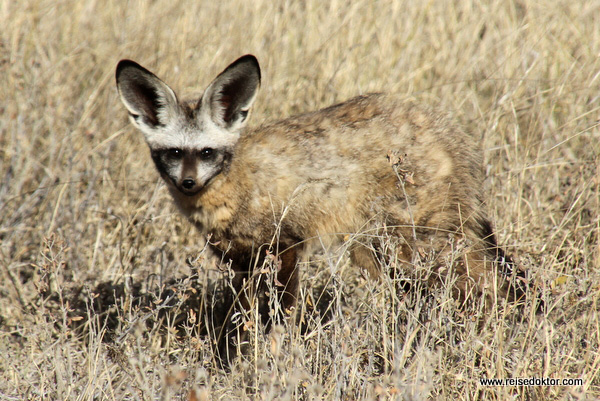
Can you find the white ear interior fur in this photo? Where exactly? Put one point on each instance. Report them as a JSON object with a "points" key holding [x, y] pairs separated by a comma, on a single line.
{"points": [[229, 97], [152, 104]]}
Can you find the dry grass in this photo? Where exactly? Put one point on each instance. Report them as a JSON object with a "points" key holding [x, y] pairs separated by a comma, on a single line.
{"points": [[106, 293]]}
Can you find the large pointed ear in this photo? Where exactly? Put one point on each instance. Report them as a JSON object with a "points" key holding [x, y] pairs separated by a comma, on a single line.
{"points": [[229, 97], [150, 102]]}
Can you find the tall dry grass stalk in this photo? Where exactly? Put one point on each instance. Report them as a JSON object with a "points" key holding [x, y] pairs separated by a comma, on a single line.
{"points": [[106, 293]]}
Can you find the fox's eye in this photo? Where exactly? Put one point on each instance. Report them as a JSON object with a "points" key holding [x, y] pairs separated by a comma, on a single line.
{"points": [[175, 153], [207, 153]]}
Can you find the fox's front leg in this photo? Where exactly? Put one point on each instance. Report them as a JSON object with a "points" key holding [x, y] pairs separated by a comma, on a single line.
{"points": [[287, 278], [232, 333], [245, 291]]}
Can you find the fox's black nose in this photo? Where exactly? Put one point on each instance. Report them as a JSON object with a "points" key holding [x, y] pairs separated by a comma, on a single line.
{"points": [[188, 183]]}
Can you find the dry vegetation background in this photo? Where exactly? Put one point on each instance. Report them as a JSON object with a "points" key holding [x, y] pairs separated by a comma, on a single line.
{"points": [[106, 293]]}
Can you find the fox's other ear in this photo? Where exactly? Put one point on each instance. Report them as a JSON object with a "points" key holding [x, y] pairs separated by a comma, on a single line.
{"points": [[229, 97], [150, 102]]}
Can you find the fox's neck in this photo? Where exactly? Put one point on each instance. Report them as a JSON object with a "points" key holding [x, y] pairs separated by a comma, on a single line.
{"points": [[212, 209]]}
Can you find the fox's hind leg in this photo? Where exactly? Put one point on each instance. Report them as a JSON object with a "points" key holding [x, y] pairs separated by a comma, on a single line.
{"points": [[366, 257]]}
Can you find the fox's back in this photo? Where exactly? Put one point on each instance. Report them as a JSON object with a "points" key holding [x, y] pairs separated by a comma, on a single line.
{"points": [[332, 170]]}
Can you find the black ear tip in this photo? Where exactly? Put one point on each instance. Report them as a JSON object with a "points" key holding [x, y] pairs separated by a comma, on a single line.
{"points": [[248, 60], [123, 65], [126, 64]]}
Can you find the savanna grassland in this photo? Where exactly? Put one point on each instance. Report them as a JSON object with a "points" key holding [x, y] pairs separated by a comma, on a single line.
{"points": [[106, 293]]}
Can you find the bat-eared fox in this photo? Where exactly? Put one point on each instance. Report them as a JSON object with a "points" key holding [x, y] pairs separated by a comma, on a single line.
{"points": [[395, 182]]}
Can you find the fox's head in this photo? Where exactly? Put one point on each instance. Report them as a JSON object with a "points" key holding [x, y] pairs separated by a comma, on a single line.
{"points": [[190, 143]]}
